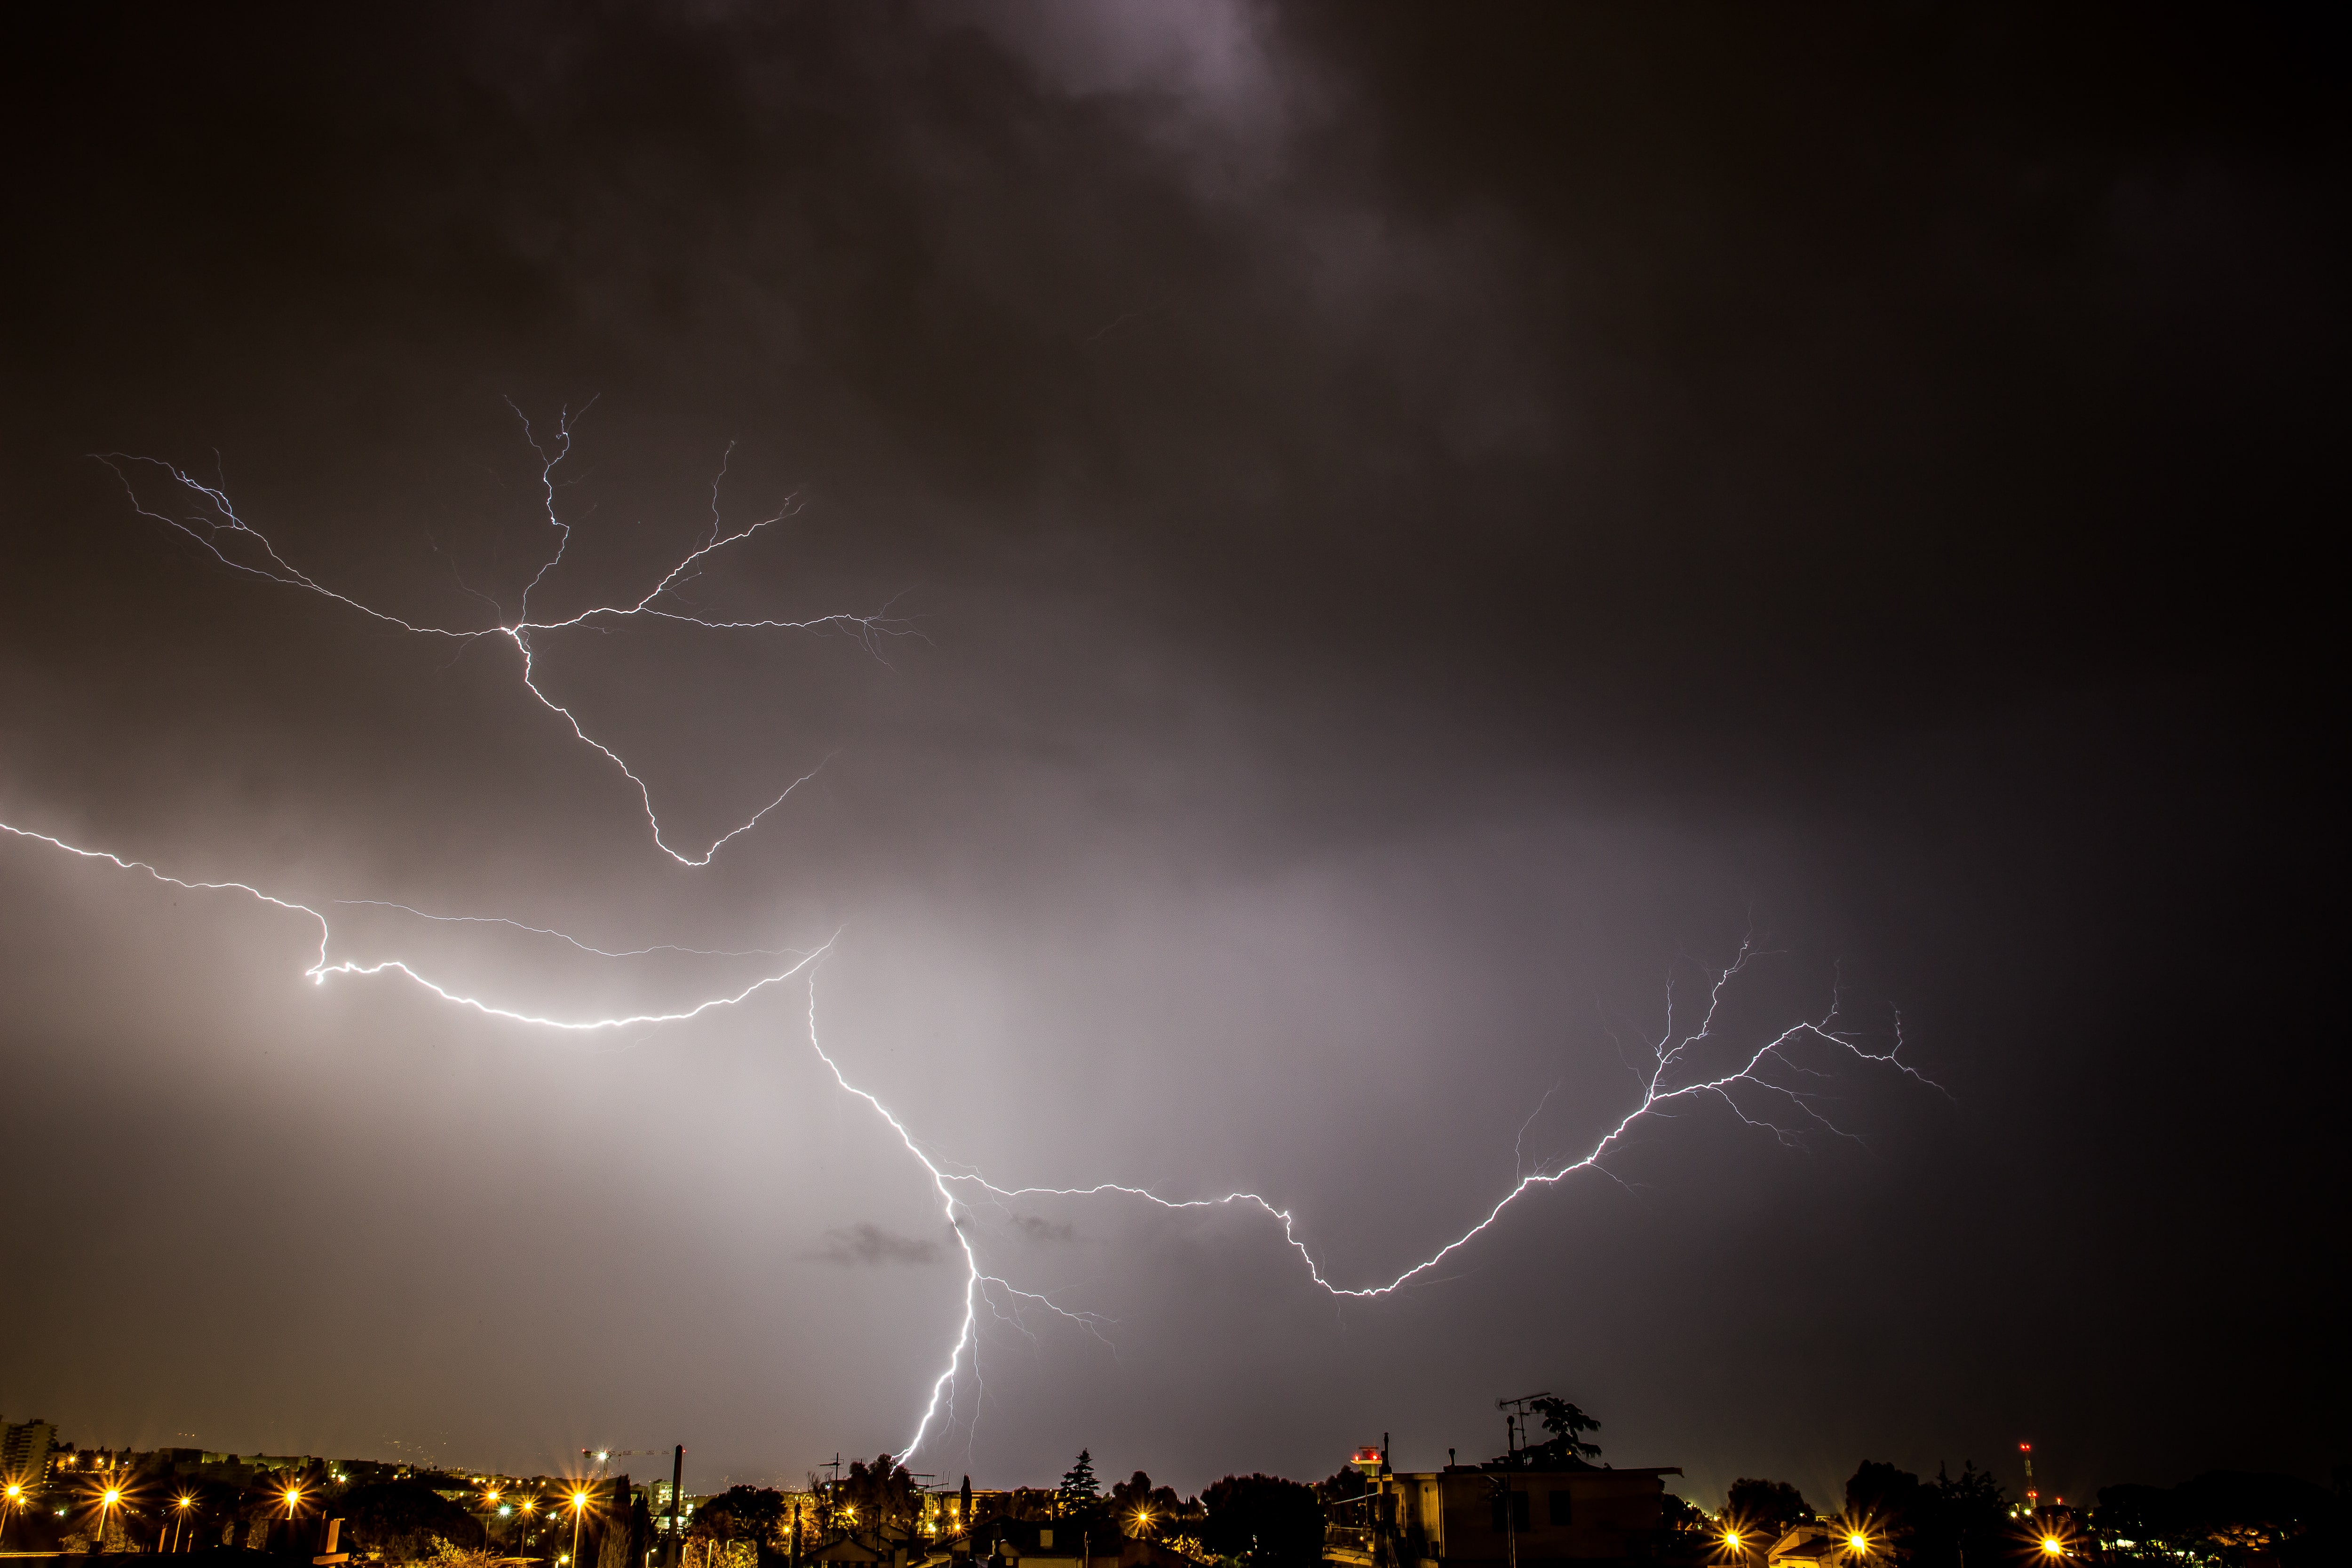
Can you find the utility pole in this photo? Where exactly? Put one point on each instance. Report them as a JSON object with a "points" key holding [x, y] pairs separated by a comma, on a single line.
{"points": [[1515, 1411]]}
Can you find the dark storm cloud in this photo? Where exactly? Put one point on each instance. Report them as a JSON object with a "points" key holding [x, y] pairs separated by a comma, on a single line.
{"points": [[1415, 520], [866, 1243]]}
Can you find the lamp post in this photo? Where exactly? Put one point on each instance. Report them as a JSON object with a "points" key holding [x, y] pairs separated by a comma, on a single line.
{"points": [[579, 1510], [12, 1497], [180, 1507], [108, 1502]]}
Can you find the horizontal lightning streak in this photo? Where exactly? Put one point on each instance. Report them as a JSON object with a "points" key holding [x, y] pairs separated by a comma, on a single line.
{"points": [[319, 971]]}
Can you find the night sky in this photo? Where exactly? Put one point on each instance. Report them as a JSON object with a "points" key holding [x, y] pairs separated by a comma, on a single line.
{"points": [[1405, 534]]}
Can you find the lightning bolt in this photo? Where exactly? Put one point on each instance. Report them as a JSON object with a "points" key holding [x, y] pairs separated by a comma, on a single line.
{"points": [[322, 967], [216, 527], [1753, 1080], [980, 1286], [1657, 1092], [1758, 1090]]}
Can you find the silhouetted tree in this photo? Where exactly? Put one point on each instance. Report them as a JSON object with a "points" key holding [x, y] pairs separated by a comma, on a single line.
{"points": [[402, 1521], [1683, 1526], [1767, 1507], [1156, 1506], [2229, 1517], [739, 1513], [1886, 1501], [1079, 1492], [1564, 1422], [1264, 1521], [883, 1493]]}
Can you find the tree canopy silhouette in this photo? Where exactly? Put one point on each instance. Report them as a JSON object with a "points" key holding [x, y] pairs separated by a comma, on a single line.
{"points": [[1565, 1422], [1079, 1491], [1767, 1507], [1264, 1521]]}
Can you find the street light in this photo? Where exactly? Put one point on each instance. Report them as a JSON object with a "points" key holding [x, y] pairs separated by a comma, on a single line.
{"points": [[181, 1505], [578, 1510]]}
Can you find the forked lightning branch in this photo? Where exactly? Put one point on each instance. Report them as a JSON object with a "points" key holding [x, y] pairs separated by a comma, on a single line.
{"points": [[1766, 1091]]}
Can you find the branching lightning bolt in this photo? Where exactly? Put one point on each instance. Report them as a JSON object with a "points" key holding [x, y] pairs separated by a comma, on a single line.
{"points": [[322, 967], [1756, 1091], [229, 539], [1657, 1092]]}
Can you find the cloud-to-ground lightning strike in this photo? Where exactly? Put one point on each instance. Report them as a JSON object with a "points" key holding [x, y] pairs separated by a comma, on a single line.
{"points": [[1657, 1091], [216, 524], [1753, 1091], [978, 1283]]}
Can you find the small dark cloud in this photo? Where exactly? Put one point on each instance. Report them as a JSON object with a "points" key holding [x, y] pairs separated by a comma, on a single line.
{"points": [[864, 1243], [1037, 1227]]}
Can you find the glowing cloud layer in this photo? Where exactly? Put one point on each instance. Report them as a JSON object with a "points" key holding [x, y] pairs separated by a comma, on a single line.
{"points": [[1758, 1091]]}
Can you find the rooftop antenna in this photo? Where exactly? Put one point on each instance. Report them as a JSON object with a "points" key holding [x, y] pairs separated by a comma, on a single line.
{"points": [[1515, 1422]]}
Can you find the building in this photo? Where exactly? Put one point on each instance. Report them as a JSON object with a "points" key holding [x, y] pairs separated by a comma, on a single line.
{"points": [[1069, 1543], [1529, 1516], [1817, 1543], [25, 1450]]}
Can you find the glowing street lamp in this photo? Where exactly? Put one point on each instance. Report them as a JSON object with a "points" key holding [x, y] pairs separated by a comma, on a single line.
{"points": [[2052, 1547], [579, 1511], [180, 1507]]}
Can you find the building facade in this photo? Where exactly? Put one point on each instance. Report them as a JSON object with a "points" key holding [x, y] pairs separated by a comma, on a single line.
{"points": [[1503, 1515]]}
